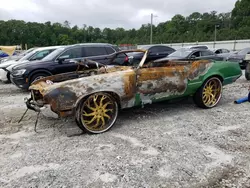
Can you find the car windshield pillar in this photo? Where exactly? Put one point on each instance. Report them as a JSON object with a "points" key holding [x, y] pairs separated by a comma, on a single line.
{"points": [[143, 59]]}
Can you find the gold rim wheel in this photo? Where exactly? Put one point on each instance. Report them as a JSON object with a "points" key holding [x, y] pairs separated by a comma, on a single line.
{"points": [[212, 92], [99, 113]]}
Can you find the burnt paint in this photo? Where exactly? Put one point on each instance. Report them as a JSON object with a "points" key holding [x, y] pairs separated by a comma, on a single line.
{"points": [[166, 80], [61, 99]]}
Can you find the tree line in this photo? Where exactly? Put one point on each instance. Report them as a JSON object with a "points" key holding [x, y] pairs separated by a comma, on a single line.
{"points": [[195, 27]]}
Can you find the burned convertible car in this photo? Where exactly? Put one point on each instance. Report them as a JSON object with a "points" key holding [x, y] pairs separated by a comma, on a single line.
{"points": [[95, 95]]}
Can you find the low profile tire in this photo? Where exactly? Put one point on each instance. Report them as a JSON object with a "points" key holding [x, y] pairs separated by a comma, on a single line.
{"points": [[77, 115], [38, 76], [97, 114], [247, 71], [209, 94]]}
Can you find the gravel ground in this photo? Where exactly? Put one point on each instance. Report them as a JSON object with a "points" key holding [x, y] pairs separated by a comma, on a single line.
{"points": [[161, 145]]}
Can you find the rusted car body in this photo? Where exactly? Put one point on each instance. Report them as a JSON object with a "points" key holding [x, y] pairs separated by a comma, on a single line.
{"points": [[94, 96]]}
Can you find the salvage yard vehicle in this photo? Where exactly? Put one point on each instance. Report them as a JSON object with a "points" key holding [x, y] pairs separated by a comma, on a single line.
{"points": [[95, 95], [60, 61], [193, 53], [237, 57]]}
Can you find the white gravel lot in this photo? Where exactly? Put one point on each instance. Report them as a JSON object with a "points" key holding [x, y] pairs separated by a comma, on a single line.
{"points": [[160, 145]]}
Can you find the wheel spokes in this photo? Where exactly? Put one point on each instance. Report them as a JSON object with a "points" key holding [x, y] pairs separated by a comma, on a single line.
{"points": [[211, 92], [97, 112]]}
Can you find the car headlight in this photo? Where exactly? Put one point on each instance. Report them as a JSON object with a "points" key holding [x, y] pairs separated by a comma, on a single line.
{"points": [[18, 72]]}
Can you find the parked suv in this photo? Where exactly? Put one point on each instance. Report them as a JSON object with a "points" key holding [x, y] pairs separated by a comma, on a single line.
{"points": [[61, 61], [37, 54]]}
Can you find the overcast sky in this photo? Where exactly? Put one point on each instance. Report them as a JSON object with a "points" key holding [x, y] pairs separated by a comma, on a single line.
{"points": [[107, 13]]}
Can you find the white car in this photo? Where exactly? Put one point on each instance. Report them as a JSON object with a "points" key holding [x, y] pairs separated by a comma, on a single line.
{"points": [[16, 57], [37, 54]]}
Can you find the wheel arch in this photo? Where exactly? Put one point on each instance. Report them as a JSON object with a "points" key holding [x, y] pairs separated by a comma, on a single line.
{"points": [[31, 74], [84, 97], [217, 75]]}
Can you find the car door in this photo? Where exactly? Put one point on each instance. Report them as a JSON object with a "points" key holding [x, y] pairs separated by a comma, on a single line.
{"points": [[195, 55], [120, 59], [65, 62], [161, 81], [219, 51], [206, 54], [158, 52], [225, 51], [153, 53], [97, 53]]}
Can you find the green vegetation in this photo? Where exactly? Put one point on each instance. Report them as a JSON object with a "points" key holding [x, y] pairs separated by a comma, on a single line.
{"points": [[195, 27]]}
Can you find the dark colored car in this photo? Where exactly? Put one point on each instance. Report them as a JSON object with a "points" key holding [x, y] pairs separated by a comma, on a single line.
{"points": [[187, 53], [240, 57], [62, 60], [154, 52], [221, 51]]}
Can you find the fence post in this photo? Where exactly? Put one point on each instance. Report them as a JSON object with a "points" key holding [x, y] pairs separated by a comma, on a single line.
{"points": [[234, 45]]}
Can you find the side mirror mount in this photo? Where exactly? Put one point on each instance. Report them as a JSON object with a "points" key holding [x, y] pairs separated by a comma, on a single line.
{"points": [[63, 58]]}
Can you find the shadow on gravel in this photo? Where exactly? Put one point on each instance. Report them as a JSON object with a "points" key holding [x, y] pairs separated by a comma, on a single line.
{"points": [[10, 89]]}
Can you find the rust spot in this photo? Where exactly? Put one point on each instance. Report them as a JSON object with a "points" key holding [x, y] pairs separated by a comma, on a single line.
{"points": [[130, 84]]}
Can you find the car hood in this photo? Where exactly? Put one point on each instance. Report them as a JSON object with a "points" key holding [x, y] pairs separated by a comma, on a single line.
{"points": [[26, 64], [102, 78], [8, 63], [17, 63]]}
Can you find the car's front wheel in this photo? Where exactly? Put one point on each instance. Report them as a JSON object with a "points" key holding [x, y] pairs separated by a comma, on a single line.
{"points": [[209, 94], [38, 76], [97, 113]]}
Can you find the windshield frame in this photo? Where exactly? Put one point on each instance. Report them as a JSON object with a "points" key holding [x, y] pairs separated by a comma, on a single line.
{"points": [[28, 55], [183, 53]]}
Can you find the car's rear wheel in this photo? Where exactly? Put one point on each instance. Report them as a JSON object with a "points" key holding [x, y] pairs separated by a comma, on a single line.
{"points": [[247, 71], [209, 94], [97, 113]]}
